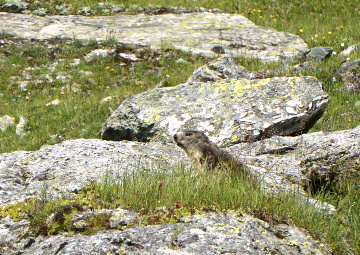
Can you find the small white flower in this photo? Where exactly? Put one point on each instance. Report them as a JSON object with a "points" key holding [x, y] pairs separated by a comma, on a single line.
{"points": [[334, 53], [342, 45], [347, 59], [333, 79]]}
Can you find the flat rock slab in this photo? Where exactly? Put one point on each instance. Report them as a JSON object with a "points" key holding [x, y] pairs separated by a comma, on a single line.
{"points": [[201, 33], [71, 165], [229, 111], [314, 160], [212, 233]]}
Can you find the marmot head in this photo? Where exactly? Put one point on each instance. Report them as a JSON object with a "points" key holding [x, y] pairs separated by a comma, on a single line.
{"points": [[189, 138]]}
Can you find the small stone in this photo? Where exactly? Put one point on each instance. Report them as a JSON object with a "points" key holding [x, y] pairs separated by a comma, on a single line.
{"points": [[23, 85], [75, 62], [127, 58], [5, 122], [80, 225], [98, 53], [349, 50], [351, 80], [218, 49], [349, 66], [21, 125], [181, 61], [106, 100], [319, 53], [54, 102], [123, 217], [86, 73]]}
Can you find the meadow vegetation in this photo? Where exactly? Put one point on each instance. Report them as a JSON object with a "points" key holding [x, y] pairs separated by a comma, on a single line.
{"points": [[319, 23], [164, 197], [49, 66]]}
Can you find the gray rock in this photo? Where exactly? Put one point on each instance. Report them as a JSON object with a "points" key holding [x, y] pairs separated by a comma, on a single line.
{"points": [[222, 68], [65, 168], [79, 226], [199, 32], [98, 53], [213, 233], [228, 110], [319, 53], [348, 72], [128, 58], [357, 104], [123, 218], [349, 50], [21, 125], [302, 66], [5, 122], [16, 6], [349, 66], [314, 160], [181, 61], [351, 81], [23, 85], [117, 217], [12, 233]]}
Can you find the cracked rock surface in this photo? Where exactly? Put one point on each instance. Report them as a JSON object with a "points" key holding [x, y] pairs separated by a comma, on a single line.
{"points": [[230, 110], [199, 32], [212, 233]]}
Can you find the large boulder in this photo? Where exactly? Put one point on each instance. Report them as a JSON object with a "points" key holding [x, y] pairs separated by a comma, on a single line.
{"points": [[228, 110], [199, 32], [315, 161], [71, 165]]}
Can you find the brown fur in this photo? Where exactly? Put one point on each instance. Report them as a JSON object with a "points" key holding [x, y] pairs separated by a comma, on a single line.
{"points": [[204, 153]]}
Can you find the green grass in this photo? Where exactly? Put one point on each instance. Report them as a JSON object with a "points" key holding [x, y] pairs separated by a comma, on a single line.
{"points": [[80, 112], [220, 191], [185, 192]]}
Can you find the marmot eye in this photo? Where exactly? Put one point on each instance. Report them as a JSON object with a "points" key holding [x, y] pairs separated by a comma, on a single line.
{"points": [[188, 134]]}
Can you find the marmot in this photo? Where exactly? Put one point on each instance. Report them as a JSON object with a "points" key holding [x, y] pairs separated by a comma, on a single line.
{"points": [[202, 151]]}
